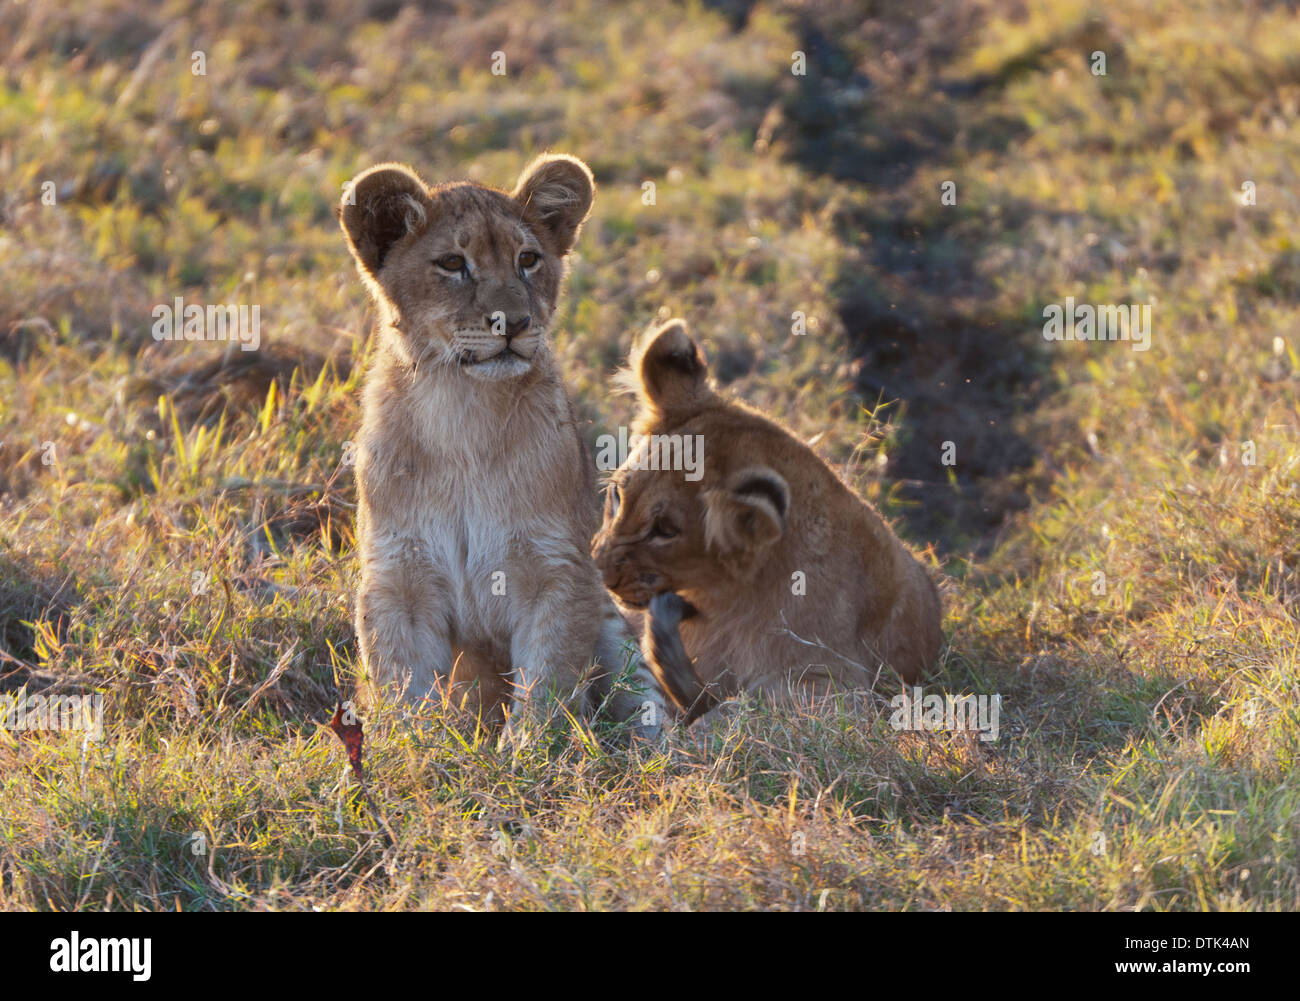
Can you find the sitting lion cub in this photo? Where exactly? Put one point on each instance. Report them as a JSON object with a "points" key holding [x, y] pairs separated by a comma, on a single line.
{"points": [[765, 573], [477, 497]]}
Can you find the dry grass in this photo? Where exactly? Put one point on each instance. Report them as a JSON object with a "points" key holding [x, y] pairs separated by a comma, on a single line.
{"points": [[176, 530]]}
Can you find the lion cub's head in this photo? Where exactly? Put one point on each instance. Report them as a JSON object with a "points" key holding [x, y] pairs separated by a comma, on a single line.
{"points": [[664, 531], [467, 276]]}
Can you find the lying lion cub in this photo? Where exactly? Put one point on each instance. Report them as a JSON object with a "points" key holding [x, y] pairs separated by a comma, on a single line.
{"points": [[477, 497], [765, 574]]}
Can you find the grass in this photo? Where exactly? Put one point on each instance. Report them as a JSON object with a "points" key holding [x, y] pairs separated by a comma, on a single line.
{"points": [[1120, 533]]}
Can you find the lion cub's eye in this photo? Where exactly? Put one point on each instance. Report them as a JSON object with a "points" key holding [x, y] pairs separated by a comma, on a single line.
{"points": [[662, 530], [451, 262], [528, 260]]}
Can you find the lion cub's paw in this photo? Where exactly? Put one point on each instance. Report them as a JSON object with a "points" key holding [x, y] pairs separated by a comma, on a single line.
{"points": [[671, 609]]}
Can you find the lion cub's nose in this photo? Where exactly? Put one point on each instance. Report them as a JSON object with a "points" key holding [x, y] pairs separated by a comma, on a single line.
{"points": [[609, 570], [515, 325]]}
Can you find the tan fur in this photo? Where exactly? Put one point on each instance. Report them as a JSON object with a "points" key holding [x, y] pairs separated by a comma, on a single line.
{"points": [[714, 560], [477, 496]]}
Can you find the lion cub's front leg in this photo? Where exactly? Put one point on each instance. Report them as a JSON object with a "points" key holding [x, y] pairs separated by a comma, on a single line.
{"points": [[402, 623], [557, 625]]}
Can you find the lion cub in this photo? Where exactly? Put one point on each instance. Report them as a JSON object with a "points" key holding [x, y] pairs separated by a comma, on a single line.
{"points": [[477, 497], [765, 573]]}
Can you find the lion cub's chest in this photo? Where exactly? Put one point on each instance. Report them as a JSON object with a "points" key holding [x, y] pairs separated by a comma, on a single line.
{"points": [[487, 500]]}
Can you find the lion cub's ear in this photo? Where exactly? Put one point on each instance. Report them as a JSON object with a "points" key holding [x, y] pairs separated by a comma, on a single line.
{"points": [[670, 369], [748, 513], [558, 191], [380, 206]]}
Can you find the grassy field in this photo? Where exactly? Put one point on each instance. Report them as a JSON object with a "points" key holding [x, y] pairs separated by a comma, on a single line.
{"points": [[1119, 534]]}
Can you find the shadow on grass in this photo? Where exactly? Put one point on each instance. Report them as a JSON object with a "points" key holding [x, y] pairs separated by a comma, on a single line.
{"points": [[880, 101], [911, 300], [1057, 722], [29, 597]]}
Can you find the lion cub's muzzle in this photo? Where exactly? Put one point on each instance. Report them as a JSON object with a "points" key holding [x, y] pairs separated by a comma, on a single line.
{"points": [[633, 587], [498, 350]]}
